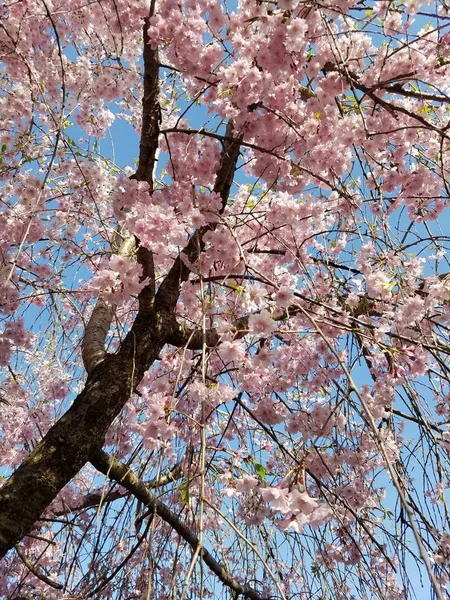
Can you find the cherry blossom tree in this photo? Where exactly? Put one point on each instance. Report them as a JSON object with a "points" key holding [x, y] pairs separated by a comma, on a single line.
{"points": [[226, 367]]}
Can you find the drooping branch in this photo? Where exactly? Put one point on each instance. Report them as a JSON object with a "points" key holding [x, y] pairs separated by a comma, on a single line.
{"points": [[94, 499], [36, 571], [119, 472]]}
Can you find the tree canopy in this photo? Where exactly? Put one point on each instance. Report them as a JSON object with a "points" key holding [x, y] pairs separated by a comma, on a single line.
{"points": [[224, 299]]}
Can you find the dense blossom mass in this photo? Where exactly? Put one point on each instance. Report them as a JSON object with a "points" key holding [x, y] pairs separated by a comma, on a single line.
{"points": [[224, 299]]}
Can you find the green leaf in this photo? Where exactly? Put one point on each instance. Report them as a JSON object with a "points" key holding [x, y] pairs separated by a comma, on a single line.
{"points": [[425, 109], [184, 493], [260, 470], [239, 289], [389, 286], [316, 570]]}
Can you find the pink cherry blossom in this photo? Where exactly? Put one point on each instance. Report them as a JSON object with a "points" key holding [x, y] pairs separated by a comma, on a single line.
{"points": [[224, 299], [262, 323]]}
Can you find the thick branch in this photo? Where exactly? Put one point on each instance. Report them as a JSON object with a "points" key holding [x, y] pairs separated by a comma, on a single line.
{"points": [[147, 295], [115, 470], [93, 344], [151, 112], [193, 339], [148, 153], [168, 292]]}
